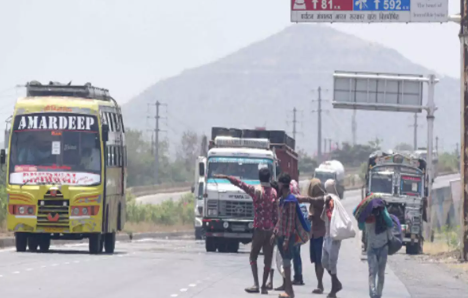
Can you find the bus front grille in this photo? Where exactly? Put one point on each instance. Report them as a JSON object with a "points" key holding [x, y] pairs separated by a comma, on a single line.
{"points": [[53, 213]]}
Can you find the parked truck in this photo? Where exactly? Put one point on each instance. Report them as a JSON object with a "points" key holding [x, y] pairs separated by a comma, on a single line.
{"points": [[402, 181], [332, 169], [198, 190], [228, 211]]}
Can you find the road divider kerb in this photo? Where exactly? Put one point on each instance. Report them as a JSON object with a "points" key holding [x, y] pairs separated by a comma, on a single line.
{"points": [[124, 237]]}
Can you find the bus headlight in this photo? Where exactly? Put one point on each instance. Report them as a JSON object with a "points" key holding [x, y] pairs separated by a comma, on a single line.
{"points": [[85, 211], [225, 225], [76, 211], [31, 210], [21, 210]]}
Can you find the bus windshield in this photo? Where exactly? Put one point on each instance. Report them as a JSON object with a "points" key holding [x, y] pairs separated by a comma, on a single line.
{"points": [[381, 182], [55, 148], [241, 168]]}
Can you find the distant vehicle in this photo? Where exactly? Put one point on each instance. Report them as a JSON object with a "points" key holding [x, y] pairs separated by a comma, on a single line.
{"points": [[332, 169], [66, 169], [198, 191], [402, 182], [228, 212]]}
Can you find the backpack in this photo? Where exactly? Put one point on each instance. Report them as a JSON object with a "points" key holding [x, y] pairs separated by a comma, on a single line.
{"points": [[305, 213], [396, 240]]}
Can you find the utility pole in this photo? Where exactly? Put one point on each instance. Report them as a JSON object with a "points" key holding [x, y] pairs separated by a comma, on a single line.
{"points": [[156, 142], [354, 127], [437, 144], [415, 132], [294, 123], [464, 120], [330, 145]]}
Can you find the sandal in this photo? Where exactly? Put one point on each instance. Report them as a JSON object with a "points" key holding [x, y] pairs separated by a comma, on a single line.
{"points": [[284, 295], [252, 290], [317, 291]]}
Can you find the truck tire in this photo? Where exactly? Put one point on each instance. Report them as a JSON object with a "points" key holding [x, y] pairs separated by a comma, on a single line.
{"points": [[109, 243], [233, 246], [414, 249], [21, 242], [95, 243], [33, 242], [44, 243], [223, 245], [198, 234], [210, 244]]}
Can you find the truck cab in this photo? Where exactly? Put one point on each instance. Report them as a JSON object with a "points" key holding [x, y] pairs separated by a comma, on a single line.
{"points": [[228, 212], [402, 182], [198, 191]]}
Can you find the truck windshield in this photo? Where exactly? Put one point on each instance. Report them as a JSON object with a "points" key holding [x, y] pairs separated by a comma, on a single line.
{"points": [[241, 168], [381, 182], [48, 148], [324, 176], [410, 185]]}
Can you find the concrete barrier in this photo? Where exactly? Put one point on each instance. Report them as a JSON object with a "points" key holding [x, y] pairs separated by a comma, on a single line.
{"points": [[10, 241]]}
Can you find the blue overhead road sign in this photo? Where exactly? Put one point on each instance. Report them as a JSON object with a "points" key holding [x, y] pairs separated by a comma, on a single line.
{"points": [[382, 5]]}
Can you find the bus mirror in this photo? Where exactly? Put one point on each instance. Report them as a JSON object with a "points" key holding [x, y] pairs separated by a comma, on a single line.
{"points": [[2, 156], [201, 169], [105, 132]]}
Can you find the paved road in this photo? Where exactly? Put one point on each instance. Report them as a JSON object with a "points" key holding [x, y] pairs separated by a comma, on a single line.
{"points": [[168, 268]]}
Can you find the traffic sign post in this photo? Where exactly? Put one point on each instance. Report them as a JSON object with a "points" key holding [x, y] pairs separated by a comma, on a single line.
{"points": [[369, 11]]}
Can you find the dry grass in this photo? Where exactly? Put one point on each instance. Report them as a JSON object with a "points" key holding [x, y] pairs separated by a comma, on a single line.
{"points": [[436, 248]]}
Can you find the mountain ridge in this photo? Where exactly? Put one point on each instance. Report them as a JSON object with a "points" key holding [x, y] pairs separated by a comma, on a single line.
{"points": [[261, 83]]}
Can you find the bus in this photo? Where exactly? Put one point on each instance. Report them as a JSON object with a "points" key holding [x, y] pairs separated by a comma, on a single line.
{"points": [[66, 167]]}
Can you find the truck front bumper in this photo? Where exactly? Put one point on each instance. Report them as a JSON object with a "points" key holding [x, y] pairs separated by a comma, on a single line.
{"points": [[228, 228]]}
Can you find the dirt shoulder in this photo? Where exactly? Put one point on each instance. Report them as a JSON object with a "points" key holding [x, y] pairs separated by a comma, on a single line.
{"points": [[437, 273]]}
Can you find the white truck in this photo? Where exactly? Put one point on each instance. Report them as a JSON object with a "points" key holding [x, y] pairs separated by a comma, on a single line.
{"points": [[198, 190], [228, 211], [332, 169]]}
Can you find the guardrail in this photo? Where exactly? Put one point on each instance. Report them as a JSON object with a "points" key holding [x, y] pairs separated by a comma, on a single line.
{"points": [[140, 191]]}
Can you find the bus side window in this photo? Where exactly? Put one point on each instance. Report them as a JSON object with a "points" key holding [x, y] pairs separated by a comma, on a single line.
{"points": [[115, 156], [121, 123]]}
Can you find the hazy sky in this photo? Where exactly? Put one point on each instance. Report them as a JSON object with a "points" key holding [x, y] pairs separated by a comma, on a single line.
{"points": [[126, 45]]}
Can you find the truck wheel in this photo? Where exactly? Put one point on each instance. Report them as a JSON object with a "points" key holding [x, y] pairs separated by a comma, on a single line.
{"points": [[413, 249], [233, 246], [223, 245], [95, 243], [33, 242], [198, 234], [21, 242], [210, 244], [109, 243], [44, 243]]}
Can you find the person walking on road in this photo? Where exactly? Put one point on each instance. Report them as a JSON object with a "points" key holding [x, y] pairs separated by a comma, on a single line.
{"points": [[264, 200], [290, 230], [331, 248], [316, 199], [373, 217]]}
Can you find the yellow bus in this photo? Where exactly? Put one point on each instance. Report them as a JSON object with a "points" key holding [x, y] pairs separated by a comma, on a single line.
{"points": [[66, 167]]}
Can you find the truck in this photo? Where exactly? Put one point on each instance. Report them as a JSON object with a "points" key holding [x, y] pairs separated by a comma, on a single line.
{"points": [[332, 169], [66, 167], [402, 181], [228, 212], [198, 189]]}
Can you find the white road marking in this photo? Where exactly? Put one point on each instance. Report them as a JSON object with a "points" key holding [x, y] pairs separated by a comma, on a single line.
{"points": [[76, 262], [192, 285], [29, 269], [54, 265], [67, 263], [16, 272], [174, 295], [183, 290], [43, 266]]}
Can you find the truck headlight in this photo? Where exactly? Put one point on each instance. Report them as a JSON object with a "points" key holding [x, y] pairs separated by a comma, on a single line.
{"points": [[212, 212], [250, 225], [226, 225]]}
